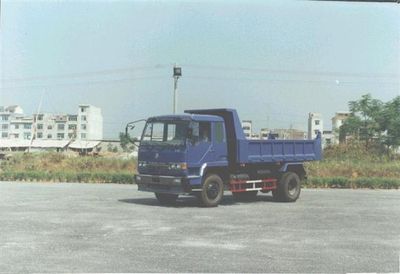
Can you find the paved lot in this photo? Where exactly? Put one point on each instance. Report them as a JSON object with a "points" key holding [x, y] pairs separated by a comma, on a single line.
{"points": [[114, 228]]}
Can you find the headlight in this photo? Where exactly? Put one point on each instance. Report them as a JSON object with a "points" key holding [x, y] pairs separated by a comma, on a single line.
{"points": [[177, 180], [142, 164], [178, 166], [172, 166]]}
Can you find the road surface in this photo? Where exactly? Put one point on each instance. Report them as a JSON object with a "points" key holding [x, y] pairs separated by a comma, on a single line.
{"points": [[57, 227]]}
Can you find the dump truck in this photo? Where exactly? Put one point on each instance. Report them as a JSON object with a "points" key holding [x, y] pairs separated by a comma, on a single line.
{"points": [[205, 152]]}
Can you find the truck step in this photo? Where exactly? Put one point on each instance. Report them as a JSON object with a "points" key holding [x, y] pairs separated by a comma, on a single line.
{"points": [[236, 185]]}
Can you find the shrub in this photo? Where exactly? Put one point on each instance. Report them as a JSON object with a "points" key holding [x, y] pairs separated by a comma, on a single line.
{"points": [[343, 182], [80, 177]]}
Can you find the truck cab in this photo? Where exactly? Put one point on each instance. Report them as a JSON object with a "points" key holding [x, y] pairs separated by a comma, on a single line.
{"points": [[204, 152], [174, 149]]}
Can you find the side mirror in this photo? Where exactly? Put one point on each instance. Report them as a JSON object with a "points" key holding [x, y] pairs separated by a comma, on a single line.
{"points": [[131, 126]]}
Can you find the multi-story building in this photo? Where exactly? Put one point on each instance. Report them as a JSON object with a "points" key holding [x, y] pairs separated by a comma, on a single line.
{"points": [[86, 125], [282, 133], [59, 126], [264, 133], [315, 124], [255, 136], [20, 128], [296, 134], [90, 123], [247, 128], [337, 122], [327, 138], [7, 116]]}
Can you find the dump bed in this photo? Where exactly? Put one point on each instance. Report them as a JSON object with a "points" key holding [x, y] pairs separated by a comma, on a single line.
{"points": [[242, 150], [261, 151]]}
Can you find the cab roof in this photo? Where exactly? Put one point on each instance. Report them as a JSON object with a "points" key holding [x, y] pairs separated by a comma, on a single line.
{"points": [[188, 117]]}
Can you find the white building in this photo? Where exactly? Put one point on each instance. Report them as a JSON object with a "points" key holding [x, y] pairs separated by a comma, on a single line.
{"points": [[255, 136], [55, 126], [337, 122], [283, 134], [327, 138], [90, 123], [247, 128], [264, 133], [20, 128], [8, 115], [315, 124], [87, 124]]}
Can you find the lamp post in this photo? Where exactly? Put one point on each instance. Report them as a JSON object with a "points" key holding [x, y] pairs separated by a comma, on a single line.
{"points": [[177, 72]]}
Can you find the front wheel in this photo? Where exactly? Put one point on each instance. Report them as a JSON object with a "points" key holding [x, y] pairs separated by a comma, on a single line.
{"points": [[288, 188], [212, 191], [166, 199]]}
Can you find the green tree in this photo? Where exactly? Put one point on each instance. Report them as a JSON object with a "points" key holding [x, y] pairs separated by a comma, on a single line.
{"points": [[363, 123], [372, 121], [126, 142], [351, 127], [390, 123]]}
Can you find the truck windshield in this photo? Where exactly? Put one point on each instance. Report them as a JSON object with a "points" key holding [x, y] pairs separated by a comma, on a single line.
{"points": [[165, 132]]}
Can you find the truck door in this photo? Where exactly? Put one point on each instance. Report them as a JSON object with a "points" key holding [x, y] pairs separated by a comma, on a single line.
{"points": [[219, 146], [200, 146], [208, 143]]}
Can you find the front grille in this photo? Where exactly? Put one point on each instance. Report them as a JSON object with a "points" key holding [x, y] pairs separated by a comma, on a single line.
{"points": [[157, 168], [160, 169]]}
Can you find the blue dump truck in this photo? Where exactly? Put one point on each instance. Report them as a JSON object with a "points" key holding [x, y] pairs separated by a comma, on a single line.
{"points": [[204, 152]]}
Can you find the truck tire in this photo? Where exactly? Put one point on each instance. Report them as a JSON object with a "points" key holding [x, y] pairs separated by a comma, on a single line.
{"points": [[166, 199], [212, 191], [288, 189], [245, 196]]}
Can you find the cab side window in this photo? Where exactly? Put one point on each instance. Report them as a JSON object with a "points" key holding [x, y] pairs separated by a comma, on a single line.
{"points": [[219, 133], [205, 132]]}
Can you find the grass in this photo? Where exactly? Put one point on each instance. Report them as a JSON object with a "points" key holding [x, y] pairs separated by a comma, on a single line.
{"points": [[60, 167], [354, 166], [350, 166], [80, 177], [353, 169], [345, 182], [53, 162]]}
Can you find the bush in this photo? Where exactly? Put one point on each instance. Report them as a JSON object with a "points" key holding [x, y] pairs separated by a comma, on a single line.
{"points": [[80, 177], [343, 182]]}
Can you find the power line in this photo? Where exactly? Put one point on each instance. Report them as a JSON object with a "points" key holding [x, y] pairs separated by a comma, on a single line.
{"points": [[334, 82], [86, 83], [88, 73], [298, 72]]}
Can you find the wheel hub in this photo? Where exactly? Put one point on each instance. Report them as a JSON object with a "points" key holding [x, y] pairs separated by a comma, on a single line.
{"points": [[212, 190], [292, 187]]}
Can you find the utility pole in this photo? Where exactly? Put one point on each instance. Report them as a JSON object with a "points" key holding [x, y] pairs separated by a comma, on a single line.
{"points": [[177, 72], [34, 123]]}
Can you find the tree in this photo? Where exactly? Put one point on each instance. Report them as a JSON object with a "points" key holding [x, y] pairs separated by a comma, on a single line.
{"points": [[390, 122], [351, 127], [125, 141], [368, 109], [372, 121]]}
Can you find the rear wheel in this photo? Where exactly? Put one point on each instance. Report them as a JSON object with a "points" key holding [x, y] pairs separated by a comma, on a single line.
{"points": [[166, 199], [245, 196], [212, 191], [288, 188]]}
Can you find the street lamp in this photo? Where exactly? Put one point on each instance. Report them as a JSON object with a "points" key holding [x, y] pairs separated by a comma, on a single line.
{"points": [[177, 72]]}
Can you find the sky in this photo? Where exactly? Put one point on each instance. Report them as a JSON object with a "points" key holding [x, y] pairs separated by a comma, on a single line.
{"points": [[273, 61]]}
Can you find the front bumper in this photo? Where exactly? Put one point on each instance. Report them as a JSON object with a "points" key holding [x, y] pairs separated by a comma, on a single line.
{"points": [[166, 184]]}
